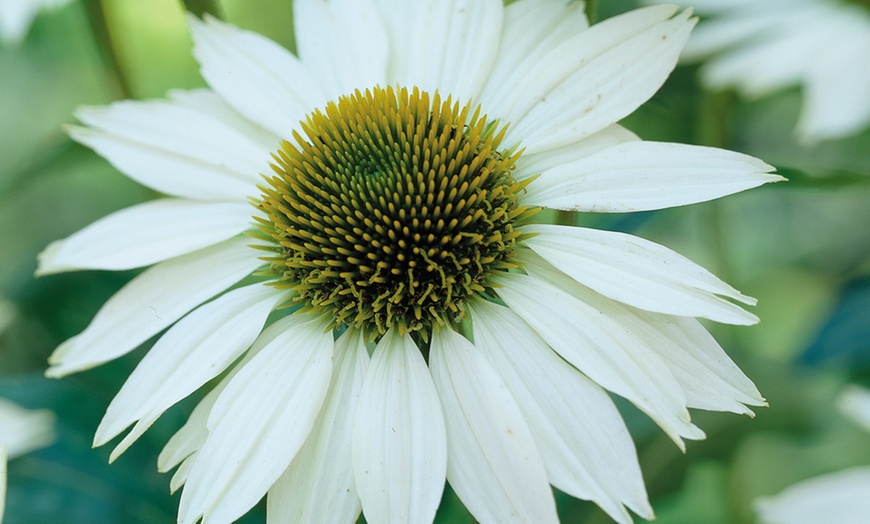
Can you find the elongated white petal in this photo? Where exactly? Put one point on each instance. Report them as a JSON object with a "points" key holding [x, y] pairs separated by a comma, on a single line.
{"points": [[195, 350], [537, 163], [145, 234], [584, 443], [708, 377], [495, 466], [192, 146], [152, 301], [602, 349], [594, 79], [638, 272], [344, 41], [399, 447], [443, 45], [837, 497], [533, 28], [640, 176], [318, 486], [260, 79], [189, 439], [259, 422]]}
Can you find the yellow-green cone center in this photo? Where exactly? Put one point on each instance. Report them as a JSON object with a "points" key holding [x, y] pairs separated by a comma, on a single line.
{"points": [[392, 210]]}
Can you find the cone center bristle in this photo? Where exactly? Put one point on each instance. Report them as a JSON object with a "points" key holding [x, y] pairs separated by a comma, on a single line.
{"points": [[391, 208]]}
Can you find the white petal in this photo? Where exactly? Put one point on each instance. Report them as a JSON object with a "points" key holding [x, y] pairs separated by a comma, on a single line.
{"points": [[152, 301], [190, 438], [835, 106], [638, 272], [594, 79], [259, 422], [193, 146], [146, 234], [584, 443], [344, 41], [708, 377], [602, 349], [399, 447], [494, 467], [533, 28], [196, 349], [259, 78], [640, 176], [318, 486], [854, 402], [535, 164], [839, 498], [24, 430], [443, 45]]}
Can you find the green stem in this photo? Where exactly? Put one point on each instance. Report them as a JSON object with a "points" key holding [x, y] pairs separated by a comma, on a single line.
{"points": [[202, 7], [565, 218], [591, 10], [108, 52]]}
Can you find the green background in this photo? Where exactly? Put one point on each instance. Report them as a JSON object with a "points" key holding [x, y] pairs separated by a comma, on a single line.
{"points": [[800, 247]]}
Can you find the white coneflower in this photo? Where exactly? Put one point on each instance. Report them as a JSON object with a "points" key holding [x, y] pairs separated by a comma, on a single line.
{"points": [[398, 221], [839, 497], [16, 16], [762, 47]]}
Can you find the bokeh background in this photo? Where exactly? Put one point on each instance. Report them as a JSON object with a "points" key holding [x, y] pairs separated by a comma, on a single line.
{"points": [[802, 248]]}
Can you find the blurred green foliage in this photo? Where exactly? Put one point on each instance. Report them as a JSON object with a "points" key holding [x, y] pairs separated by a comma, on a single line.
{"points": [[801, 248]]}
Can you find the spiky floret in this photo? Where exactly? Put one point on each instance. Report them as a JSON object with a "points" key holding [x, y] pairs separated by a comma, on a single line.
{"points": [[391, 209]]}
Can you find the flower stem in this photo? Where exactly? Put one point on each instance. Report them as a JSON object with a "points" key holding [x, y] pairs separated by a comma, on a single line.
{"points": [[591, 10], [101, 30], [202, 7]]}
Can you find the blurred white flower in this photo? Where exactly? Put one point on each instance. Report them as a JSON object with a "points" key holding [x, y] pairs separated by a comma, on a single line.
{"points": [[16, 16], [759, 47], [399, 219], [836, 498], [21, 430]]}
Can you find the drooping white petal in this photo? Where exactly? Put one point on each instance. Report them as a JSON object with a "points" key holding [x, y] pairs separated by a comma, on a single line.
{"points": [[602, 349], [533, 28], [594, 79], [152, 301], [259, 422], [638, 272], [260, 79], [640, 176], [708, 377], [494, 466], [178, 147], [196, 349], [399, 447], [344, 41], [584, 443], [189, 439], [318, 486], [839, 497], [146, 234], [443, 45]]}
